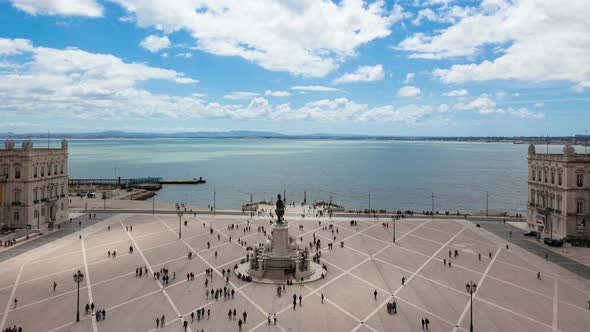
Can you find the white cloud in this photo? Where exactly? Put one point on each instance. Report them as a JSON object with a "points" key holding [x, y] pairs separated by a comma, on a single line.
{"points": [[456, 93], [237, 95], [409, 91], [277, 93], [540, 104], [154, 43], [314, 88], [486, 105], [185, 55], [362, 74], [306, 37], [89, 8], [409, 78], [443, 14], [540, 41], [14, 46], [501, 94], [443, 108], [77, 82]]}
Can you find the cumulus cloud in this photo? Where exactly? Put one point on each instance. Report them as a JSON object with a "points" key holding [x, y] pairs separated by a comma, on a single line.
{"points": [[314, 88], [89, 8], [409, 78], [456, 93], [409, 91], [484, 104], [237, 95], [154, 43], [540, 40], [306, 37], [539, 104], [362, 74], [277, 93]]}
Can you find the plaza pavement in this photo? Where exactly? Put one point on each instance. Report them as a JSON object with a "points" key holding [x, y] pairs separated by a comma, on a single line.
{"points": [[509, 296]]}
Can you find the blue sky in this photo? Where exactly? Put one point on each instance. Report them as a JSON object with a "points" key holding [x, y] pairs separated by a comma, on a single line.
{"points": [[412, 67]]}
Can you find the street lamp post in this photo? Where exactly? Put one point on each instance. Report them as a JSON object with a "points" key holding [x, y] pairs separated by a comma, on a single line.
{"points": [[180, 225], [471, 288], [78, 278]]}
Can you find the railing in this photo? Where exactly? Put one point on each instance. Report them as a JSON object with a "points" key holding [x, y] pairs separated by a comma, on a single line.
{"points": [[16, 203]]}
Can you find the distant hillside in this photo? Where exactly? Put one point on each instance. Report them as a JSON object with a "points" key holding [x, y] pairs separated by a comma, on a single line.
{"points": [[578, 139]]}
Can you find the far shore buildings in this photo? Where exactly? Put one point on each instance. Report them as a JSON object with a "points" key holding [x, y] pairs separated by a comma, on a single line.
{"points": [[33, 185], [559, 193]]}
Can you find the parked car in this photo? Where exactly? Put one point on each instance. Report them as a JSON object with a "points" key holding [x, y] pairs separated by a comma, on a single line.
{"points": [[531, 233], [553, 243]]}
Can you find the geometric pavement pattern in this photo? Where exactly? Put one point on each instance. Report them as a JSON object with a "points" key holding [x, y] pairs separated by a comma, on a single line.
{"points": [[508, 296]]}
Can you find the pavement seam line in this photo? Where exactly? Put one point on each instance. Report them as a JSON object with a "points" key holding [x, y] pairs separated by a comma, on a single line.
{"points": [[88, 284], [152, 271], [479, 284], [555, 286], [12, 293], [216, 270], [410, 277]]}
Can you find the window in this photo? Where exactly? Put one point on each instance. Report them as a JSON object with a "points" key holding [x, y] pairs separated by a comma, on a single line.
{"points": [[42, 171], [559, 178], [61, 169], [35, 171], [16, 196], [580, 180], [43, 212], [580, 207], [545, 173], [35, 195], [17, 173], [534, 175], [552, 177], [43, 193], [62, 206], [61, 189], [55, 169], [16, 216]]}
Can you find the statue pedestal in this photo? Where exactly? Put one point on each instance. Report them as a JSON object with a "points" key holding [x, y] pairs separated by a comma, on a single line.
{"points": [[280, 241]]}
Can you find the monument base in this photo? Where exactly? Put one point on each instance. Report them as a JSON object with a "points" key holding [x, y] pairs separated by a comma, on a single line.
{"points": [[278, 276]]}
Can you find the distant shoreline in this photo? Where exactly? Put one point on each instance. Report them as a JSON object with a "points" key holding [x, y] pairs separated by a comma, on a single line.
{"points": [[554, 140]]}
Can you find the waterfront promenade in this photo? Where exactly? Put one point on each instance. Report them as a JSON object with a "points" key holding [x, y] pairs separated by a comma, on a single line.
{"points": [[509, 295]]}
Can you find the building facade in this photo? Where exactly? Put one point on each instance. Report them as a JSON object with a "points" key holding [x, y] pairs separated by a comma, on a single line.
{"points": [[33, 185], [559, 193]]}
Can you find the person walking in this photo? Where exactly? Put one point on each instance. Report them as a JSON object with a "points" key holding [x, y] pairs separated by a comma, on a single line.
{"points": [[185, 325], [269, 318], [294, 301], [157, 322], [323, 298], [239, 324], [426, 321], [403, 281], [423, 325], [300, 298], [538, 275], [245, 315], [375, 294], [54, 286], [274, 317], [394, 307]]}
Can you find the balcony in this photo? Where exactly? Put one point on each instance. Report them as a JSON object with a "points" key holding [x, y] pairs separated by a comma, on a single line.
{"points": [[43, 199], [4, 178], [16, 203], [62, 195], [36, 201]]}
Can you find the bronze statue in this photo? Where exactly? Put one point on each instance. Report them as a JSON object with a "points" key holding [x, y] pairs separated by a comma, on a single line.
{"points": [[280, 211]]}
